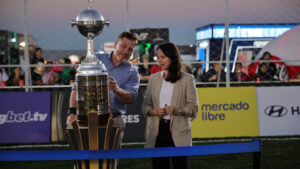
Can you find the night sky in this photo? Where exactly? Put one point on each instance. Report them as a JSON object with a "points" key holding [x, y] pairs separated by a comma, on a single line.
{"points": [[49, 21]]}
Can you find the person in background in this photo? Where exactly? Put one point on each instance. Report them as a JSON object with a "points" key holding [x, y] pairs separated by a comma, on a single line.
{"points": [[66, 72], [187, 68], [73, 74], [198, 71], [171, 103], [49, 77], [3, 77], [37, 73], [272, 69], [155, 68], [212, 74], [239, 75], [135, 62], [16, 78], [297, 79], [263, 73], [123, 81], [144, 69], [37, 57]]}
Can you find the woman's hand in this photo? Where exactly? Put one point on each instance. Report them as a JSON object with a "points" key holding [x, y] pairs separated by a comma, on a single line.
{"points": [[169, 109], [157, 112]]}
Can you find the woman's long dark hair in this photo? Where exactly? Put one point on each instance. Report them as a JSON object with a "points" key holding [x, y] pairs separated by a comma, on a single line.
{"points": [[172, 52]]}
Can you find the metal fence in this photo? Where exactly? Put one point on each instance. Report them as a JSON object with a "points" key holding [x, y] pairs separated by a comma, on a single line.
{"points": [[198, 28]]}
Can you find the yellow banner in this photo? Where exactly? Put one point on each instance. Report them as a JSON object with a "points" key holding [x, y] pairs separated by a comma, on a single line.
{"points": [[226, 112]]}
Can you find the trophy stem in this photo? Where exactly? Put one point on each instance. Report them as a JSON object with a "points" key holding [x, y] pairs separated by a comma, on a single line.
{"points": [[90, 48]]}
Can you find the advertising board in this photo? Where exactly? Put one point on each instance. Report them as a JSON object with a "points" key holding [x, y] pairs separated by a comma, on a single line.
{"points": [[25, 117]]}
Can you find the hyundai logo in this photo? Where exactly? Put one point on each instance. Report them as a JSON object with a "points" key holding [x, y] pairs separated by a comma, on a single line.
{"points": [[276, 111]]}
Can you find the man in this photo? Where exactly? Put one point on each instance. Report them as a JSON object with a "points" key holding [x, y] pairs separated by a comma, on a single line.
{"points": [[123, 81], [212, 74]]}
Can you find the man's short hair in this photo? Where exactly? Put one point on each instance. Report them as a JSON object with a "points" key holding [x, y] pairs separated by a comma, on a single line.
{"points": [[128, 35]]}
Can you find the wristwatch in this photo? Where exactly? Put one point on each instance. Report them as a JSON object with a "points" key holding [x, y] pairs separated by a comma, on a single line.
{"points": [[72, 110]]}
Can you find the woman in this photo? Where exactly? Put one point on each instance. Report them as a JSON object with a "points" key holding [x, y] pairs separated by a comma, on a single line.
{"points": [[170, 102], [16, 78], [37, 57]]}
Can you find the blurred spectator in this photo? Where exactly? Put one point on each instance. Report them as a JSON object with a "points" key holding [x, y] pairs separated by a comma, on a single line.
{"points": [[66, 72], [49, 77], [16, 78], [144, 69], [58, 69], [186, 68], [37, 71], [198, 71], [134, 62], [263, 73], [3, 77], [36, 75], [154, 69], [296, 79], [73, 74], [272, 69], [238, 74], [212, 74], [37, 57]]}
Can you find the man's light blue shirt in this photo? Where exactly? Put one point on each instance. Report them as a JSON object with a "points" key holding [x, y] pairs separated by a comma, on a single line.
{"points": [[127, 78]]}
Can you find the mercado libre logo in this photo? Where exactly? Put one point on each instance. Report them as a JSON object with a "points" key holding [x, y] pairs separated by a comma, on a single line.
{"points": [[217, 112], [226, 112]]}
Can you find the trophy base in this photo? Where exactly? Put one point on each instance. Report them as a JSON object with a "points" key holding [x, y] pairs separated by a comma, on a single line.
{"points": [[93, 132]]}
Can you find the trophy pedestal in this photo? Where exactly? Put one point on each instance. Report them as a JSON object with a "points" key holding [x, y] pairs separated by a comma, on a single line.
{"points": [[93, 132]]}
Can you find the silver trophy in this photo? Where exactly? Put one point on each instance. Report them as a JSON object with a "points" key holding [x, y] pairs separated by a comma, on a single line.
{"points": [[91, 77], [94, 118]]}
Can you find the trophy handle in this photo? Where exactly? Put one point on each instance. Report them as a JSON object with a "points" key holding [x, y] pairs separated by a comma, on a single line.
{"points": [[73, 23], [106, 22]]}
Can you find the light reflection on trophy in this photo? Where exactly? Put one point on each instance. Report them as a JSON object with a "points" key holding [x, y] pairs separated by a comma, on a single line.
{"points": [[94, 128], [91, 77]]}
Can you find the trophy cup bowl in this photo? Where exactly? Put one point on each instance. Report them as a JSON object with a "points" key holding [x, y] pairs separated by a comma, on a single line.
{"points": [[90, 23]]}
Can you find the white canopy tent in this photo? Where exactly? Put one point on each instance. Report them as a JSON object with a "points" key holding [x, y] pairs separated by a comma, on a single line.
{"points": [[286, 47]]}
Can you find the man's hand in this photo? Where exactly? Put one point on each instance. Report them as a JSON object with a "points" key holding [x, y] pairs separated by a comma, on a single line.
{"points": [[123, 95], [213, 77], [71, 117], [113, 85]]}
